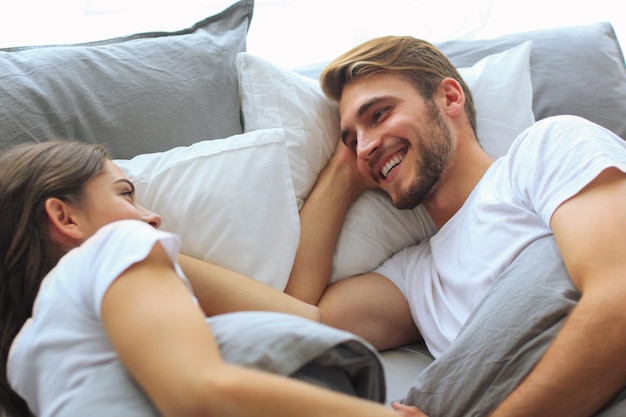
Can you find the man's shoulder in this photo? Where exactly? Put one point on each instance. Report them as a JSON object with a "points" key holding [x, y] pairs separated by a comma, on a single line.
{"points": [[556, 126], [557, 134]]}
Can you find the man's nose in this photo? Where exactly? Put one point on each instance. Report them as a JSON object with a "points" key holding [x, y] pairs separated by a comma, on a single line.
{"points": [[367, 143]]}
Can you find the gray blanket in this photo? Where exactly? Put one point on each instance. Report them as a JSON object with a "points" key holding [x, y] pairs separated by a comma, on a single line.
{"points": [[277, 343], [503, 339]]}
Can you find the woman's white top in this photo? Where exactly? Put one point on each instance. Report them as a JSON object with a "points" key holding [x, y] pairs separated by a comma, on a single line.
{"points": [[64, 341]]}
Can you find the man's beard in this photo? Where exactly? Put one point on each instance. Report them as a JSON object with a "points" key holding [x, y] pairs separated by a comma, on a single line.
{"points": [[431, 162]]}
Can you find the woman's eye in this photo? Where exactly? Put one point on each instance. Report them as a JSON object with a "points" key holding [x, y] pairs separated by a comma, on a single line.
{"points": [[128, 193]]}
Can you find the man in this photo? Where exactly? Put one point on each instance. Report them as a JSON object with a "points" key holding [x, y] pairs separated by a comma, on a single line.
{"points": [[409, 129]]}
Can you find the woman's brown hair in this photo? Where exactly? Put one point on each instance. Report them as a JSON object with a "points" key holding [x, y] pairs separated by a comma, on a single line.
{"points": [[29, 175], [415, 60]]}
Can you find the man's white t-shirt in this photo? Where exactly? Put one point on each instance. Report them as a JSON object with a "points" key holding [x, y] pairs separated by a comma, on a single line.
{"points": [[64, 341], [446, 276]]}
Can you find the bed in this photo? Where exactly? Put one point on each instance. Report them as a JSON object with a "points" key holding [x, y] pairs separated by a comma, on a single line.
{"points": [[226, 146]]}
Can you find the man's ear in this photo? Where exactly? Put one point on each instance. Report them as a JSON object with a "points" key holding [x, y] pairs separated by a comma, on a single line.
{"points": [[454, 96], [63, 227]]}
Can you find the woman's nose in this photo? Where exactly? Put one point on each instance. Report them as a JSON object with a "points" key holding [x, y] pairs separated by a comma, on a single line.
{"points": [[150, 217]]}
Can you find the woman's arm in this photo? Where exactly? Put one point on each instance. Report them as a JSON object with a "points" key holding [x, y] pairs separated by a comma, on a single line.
{"points": [[220, 290], [163, 340]]}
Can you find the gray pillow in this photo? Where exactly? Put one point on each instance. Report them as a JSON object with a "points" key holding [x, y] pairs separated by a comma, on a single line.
{"points": [[575, 70], [137, 94], [503, 339]]}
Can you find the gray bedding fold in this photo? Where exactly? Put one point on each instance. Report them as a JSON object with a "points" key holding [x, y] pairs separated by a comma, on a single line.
{"points": [[278, 343], [283, 344], [503, 339]]}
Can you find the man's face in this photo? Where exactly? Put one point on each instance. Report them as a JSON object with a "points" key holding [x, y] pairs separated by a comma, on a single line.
{"points": [[400, 140]]}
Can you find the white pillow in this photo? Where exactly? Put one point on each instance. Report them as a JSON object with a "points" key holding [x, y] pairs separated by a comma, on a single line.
{"points": [[374, 229], [503, 97], [230, 200], [274, 97]]}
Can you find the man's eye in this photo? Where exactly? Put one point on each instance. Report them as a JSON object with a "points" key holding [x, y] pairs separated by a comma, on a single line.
{"points": [[378, 114], [349, 141]]}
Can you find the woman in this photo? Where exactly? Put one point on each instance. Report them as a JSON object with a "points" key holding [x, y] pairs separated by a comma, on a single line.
{"points": [[69, 214]]}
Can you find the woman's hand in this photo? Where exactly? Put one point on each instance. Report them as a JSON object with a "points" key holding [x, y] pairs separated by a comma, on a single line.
{"points": [[407, 410]]}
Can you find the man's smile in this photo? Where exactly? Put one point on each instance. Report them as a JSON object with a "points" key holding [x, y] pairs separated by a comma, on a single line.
{"points": [[392, 163]]}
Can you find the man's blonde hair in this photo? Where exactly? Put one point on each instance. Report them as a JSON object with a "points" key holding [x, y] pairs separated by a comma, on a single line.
{"points": [[415, 60]]}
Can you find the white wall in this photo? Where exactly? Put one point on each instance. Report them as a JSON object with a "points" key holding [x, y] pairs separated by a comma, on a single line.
{"points": [[297, 32], [319, 30]]}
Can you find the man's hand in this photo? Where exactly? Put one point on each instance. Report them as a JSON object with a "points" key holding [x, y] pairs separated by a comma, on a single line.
{"points": [[346, 158], [407, 410]]}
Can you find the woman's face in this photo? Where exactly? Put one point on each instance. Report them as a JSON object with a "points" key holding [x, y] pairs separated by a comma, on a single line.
{"points": [[109, 197]]}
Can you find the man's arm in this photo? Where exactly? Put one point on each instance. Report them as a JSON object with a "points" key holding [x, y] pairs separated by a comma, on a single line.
{"points": [[368, 305], [585, 365], [321, 218]]}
